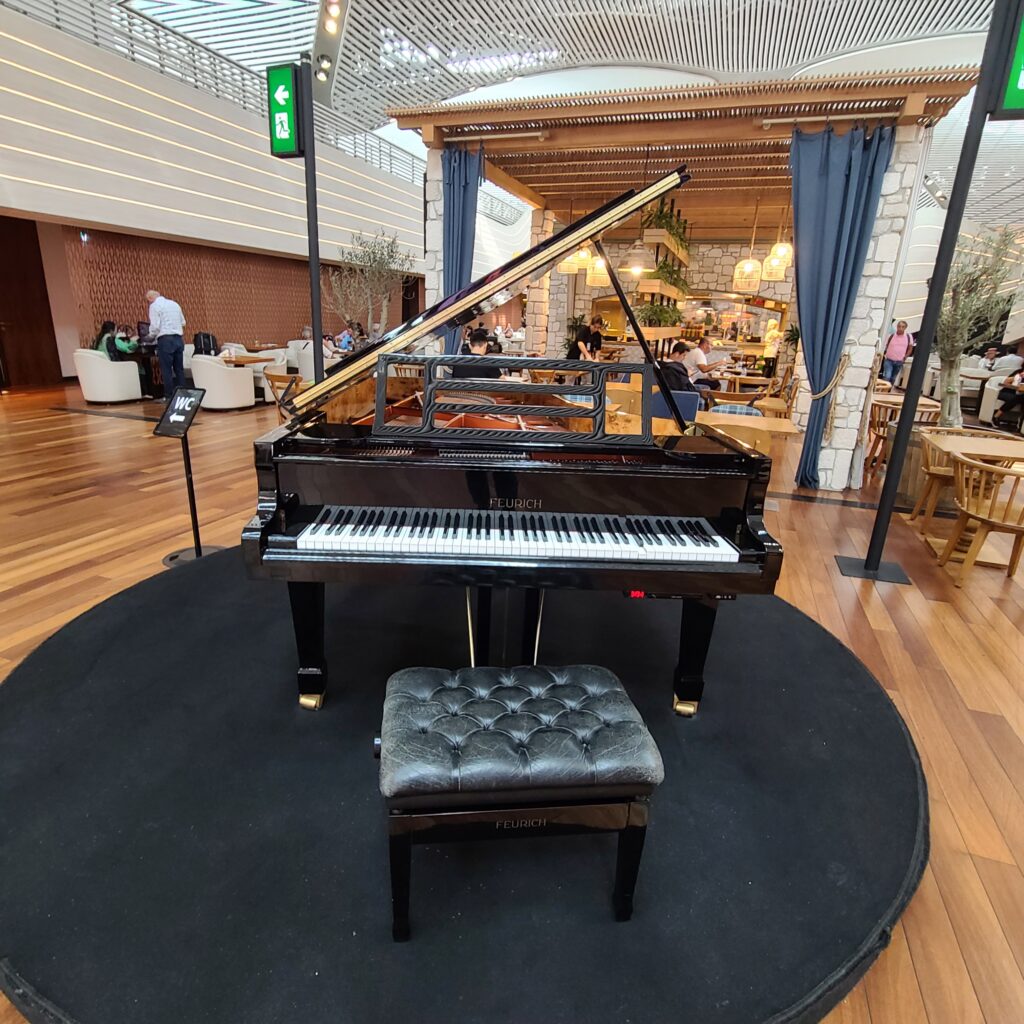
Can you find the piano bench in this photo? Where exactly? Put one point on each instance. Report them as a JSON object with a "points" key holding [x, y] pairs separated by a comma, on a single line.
{"points": [[505, 752]]}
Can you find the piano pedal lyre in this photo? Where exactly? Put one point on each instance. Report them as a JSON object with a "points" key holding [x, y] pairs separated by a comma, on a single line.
{"points": [[686, 708]]}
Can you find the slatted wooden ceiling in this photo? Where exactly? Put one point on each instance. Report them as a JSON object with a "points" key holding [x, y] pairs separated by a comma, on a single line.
{"points": [[579, 151], [395, 53]]}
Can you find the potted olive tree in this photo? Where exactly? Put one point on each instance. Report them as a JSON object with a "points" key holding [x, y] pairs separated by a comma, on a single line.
{"points": [[374, 266], [980, 288]]}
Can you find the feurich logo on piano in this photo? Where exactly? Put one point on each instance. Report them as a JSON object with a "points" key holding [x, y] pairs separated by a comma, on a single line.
{"points": [[516, 503]]}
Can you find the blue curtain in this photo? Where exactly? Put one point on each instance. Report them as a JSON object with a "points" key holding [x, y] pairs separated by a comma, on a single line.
{"points": [[837, 180], [462, 169]]}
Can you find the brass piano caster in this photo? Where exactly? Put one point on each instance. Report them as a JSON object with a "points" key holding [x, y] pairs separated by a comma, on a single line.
{"points": [[311, 701], [686, 708]]}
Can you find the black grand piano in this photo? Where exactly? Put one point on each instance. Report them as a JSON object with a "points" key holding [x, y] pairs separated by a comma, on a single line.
{"points": [[516, 484]]}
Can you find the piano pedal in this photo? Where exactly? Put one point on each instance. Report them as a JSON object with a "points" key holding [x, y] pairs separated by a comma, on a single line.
{"points": [[686, 708], [311, 701]]}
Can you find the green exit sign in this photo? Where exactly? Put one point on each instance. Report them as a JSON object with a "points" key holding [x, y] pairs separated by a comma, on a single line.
{"points": [[283, 110], [1010, 101]]}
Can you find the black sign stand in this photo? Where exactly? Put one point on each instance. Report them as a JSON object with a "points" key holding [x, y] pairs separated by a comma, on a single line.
{"points": [[177, 418], [312, 227], [993, 69]]}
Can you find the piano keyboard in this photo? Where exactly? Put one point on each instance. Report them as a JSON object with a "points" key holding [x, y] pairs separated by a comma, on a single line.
{"points": [[530, 535]]}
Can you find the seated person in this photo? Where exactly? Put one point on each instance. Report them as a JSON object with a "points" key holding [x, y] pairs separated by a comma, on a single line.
{"points": [[674, 369], [1012, 399], [477, 347], [114, 342], [344, 342], [698, 367], [988, 360], [331, 351]]}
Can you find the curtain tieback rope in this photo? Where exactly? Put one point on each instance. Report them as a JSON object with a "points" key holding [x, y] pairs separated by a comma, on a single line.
{"points": [[844, 362]]}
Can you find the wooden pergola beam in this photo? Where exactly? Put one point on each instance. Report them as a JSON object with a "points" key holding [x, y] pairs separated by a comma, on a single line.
{"points": [[787, 94], [670, 133], [494, 174]]}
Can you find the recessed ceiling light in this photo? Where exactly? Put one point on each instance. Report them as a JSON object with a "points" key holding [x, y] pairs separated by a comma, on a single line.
{"points": [[321, 75], [331, 26], [324, 61], [334, 10]]}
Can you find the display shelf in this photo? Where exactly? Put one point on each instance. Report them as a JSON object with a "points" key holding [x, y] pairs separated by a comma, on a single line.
{"points": [[659, 236], [655, 286]]}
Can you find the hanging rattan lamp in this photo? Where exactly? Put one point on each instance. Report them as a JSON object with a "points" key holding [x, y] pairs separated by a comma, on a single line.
{"points": [[746, 276], [571, 265], [597, 274], [638, 259], [781, 252]]}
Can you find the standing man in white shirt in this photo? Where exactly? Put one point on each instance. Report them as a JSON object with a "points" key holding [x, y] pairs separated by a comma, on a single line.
{"points": [[166, 324], [698, 367]]}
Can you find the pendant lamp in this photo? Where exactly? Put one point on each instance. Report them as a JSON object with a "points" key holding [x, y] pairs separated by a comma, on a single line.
{"points": [[782, 250], [638, 259], [746, 276], [597, 275]]}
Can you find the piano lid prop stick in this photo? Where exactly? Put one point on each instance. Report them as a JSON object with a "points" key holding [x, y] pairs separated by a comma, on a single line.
{"points": [[469, 626], [659, 374]]}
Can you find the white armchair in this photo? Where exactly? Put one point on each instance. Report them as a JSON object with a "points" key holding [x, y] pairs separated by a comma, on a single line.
{"points": [[990, 402], [305, 366], [294, 347], [104, 381], [227, 387], [186, 359]]}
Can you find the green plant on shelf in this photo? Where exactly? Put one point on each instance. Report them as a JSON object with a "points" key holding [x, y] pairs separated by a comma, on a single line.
{"points": [[650, 314], [663, 217], [671, 274]]}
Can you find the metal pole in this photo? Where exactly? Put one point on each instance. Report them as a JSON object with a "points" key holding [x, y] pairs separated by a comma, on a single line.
{"points": [[659, 374], [191, 497], [312, 228], [991, 67]]}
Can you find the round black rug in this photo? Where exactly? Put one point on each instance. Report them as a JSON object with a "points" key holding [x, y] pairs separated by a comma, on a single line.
{"points": [[181, 842]]}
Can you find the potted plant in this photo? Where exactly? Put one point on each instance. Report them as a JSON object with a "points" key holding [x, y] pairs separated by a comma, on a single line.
{"points": [[652, 315], [663, 217], [572, 326], [671, 274], [374, 266], [977, 295]]}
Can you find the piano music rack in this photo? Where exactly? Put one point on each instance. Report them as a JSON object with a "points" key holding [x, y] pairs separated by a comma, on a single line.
{"points": [[436, 384]]}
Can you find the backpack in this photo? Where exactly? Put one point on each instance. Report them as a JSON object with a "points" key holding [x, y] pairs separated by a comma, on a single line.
{"points": [[204, 344]]}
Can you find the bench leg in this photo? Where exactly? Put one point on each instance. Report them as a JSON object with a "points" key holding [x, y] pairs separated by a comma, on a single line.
{"points": [[627, 867], [400, 849]]}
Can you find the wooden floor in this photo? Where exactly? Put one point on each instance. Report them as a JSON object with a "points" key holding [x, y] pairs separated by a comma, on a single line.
{"points": [[91, 502]]}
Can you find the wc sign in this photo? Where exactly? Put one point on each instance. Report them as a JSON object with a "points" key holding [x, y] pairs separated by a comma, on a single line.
{"points": [[180, 412]]}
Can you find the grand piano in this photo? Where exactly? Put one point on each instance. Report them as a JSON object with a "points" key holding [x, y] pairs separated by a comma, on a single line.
{"points": [[516, 484]]}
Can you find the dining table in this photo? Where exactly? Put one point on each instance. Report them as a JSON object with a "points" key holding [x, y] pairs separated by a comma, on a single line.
{"points": [[894, 400], [735, 381], [997, 446], [247, 360]]}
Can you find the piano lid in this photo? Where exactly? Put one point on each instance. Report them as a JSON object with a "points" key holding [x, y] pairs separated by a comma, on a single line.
{"points": [[456, 309]]}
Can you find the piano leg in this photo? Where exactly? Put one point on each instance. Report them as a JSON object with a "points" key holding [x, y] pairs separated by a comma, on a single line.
{"points": [[307, 600], [697, 624]]}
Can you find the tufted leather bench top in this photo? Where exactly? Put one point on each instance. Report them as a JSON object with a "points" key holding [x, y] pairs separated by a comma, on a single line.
{"points": [[485, 735]]}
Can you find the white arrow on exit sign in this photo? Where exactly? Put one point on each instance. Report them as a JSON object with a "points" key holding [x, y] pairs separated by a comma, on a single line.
{"points": [[281, 95]]}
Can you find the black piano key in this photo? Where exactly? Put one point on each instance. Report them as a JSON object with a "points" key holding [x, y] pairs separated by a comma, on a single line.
{"points": [[704, 531], [651, 533], [634, 533], [447, 525], [667, 532]]}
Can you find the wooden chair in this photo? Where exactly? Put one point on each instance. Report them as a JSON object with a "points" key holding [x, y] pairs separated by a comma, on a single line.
{"points": [[278, 383], [879, 418], [408, 370], [937, 467], [780, 405], [993, 497], [882, 386]]}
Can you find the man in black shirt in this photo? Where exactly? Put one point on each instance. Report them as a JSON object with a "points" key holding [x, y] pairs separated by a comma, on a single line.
{"points": [[674, 370], [477, 347]]}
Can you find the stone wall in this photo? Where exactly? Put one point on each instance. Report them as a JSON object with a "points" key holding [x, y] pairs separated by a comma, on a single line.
{"points": [[712, 264], [542, 226], [433, 231], [841, 461]]}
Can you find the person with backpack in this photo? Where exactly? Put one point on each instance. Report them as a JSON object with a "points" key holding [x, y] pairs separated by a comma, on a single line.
{"points": [[898, 346]]}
